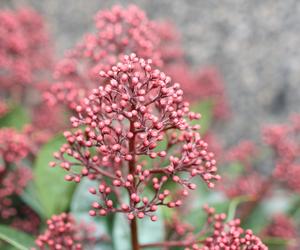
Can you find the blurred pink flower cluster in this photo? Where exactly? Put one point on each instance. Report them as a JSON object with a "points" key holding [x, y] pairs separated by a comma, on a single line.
{"points": [[285, 141], [24, 49], [14, 176], [62, 233]]}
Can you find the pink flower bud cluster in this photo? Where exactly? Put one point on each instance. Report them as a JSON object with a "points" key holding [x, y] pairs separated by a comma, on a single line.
{"points": [[14, 146], [216, 233], [122, 31], [282, 227], [285, 142], [24, 48], [14, 175], [132, 134], [62, 233], [228, 235], [119, 31]]}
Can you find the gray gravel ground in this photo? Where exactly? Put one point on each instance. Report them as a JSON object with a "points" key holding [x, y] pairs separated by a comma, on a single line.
{"points": [[255, 45]]}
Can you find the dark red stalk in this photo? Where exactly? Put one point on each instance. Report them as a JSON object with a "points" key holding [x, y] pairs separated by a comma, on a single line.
{"points": [[133, 223]]}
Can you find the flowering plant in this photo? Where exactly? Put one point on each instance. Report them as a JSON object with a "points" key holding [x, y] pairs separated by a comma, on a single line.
{"points": [[117, 149]]}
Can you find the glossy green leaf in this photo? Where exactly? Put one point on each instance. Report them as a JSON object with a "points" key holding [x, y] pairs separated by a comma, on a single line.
{"points": [[16, 118], [17, 239], [53, 192], [205, 108], [29, 196]]}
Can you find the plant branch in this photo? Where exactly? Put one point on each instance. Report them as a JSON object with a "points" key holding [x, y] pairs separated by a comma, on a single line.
{"points": [[131, 165]]}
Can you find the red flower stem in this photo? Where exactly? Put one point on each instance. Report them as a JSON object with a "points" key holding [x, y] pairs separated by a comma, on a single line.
{"points": [[247, 211], [133, 223], [134, 235]]}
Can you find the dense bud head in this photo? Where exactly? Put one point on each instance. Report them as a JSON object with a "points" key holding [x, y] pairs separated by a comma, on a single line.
{"points": [[61, 233], [118, 31], [127, 153], [14, 146], [225, 235]]}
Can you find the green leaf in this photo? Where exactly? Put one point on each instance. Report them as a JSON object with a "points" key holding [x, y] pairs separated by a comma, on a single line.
{"points": [[205, 108], [16, 238], [16, 118], [29, 196], [149, 231], [257, 220], [276, 243], [53, 192], [295, 206], [234, 204]]}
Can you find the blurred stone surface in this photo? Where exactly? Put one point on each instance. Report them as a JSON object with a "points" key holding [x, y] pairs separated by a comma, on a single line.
{"points": [[254, 44]]}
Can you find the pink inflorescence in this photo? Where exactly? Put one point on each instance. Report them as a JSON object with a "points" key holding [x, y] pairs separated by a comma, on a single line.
{"points": [[62, 233], [131, 134], [229, 235], [14, 146], [217, 233], [285, 141], [281, 226], [13, 174], [24, 48], [119, 31]]}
